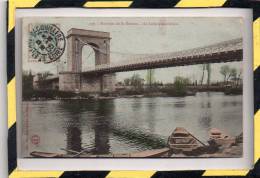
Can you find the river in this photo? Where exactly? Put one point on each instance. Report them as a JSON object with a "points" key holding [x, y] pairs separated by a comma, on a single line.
{"points": [[125, 125]]}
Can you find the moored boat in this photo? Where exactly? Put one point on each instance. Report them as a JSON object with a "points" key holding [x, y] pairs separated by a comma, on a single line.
{"points": [[219, 138], [46, 154], [181, 141], [163, 152], [239, 138]]}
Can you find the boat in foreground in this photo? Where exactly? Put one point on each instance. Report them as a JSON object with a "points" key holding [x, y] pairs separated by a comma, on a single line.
{"points": [[219, 138], [163, 152], [181, 141]]}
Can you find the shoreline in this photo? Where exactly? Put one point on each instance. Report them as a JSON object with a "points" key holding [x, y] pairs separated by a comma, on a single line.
{"points": [[151, 95]]}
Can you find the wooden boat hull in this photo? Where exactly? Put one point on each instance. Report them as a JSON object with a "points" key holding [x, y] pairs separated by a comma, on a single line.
{"points": [[223, 142], [39, 154], [163, 152], [181, 141], [219, 138]]}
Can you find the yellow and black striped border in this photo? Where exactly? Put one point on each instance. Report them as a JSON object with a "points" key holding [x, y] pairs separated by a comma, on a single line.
{"points": [[12, 162]]}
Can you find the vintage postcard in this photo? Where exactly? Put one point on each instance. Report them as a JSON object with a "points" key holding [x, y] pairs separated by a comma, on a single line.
{"points": [[111, 87]]}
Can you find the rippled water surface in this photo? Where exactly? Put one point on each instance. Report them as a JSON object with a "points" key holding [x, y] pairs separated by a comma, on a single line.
{"points": [[125, 124]]}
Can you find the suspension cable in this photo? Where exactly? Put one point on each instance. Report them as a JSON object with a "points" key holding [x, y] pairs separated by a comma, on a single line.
{"points": [[94, 47]]}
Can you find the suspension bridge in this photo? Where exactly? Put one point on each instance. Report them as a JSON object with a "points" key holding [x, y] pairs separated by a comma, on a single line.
{"points": [[101, 77], [227, 51]]}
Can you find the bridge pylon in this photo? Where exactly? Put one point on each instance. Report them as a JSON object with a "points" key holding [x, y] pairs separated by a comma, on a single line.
{"points": [[74, 79]]}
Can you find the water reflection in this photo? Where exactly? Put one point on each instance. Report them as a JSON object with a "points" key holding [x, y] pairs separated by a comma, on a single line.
{"points": [[130, 124], [179, 104], [205, 119], [151, 114], [230, 103], [102, 127], [74, 139], [75, 120], [72, 125]]}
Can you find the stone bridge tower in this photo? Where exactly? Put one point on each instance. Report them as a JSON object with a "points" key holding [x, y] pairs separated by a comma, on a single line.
{"points": [[74, 78]]}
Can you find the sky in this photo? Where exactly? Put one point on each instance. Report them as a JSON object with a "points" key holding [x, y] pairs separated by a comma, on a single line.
{"points": [[145, 35]]}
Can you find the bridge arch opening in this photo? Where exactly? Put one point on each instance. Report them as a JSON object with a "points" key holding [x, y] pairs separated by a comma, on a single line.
{"points": [[89, 57], [78, 39]]}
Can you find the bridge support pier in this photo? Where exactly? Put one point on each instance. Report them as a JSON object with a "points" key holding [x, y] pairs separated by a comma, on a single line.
{"points": [[108, 83], [77, 82], [69, 81]]}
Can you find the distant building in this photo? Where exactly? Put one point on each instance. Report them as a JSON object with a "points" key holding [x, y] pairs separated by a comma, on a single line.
{"points": [[41, 82]]}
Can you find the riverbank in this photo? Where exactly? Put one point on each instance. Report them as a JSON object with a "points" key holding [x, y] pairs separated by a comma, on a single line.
{"points": [[35, 95], [98, 97]]}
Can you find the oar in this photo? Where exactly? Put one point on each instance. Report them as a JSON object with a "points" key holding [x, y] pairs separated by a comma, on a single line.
{"points": [[197, 139], [84, 150], [72, 151], [76, 152]]}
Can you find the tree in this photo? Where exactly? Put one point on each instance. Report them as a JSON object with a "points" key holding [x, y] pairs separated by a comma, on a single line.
{"points": [[27, 78], [225, 71], [150, 77], [44, 75], [136, 81], [202, 77], [180, 84], [233, 74], [127, 81], [239, 76], [27, 84], [209, 73]]}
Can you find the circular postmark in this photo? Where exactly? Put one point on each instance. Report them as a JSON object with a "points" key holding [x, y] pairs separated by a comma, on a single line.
{"points": [[46, 42], [35, 139]]}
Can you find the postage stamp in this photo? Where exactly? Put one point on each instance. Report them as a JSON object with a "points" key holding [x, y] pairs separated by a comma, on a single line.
{"points": [[46, 42]]}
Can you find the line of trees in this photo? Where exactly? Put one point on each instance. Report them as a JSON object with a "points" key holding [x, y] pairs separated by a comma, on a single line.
{"points": [[136, 81], [180, 85], [230, 74]]}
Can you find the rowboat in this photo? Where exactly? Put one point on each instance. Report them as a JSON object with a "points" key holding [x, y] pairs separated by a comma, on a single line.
{"points": [[181, 141], [219, 138], [46, 154], [239, 138], [162, 152]]}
